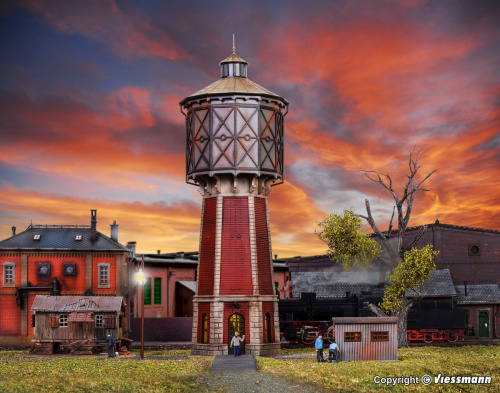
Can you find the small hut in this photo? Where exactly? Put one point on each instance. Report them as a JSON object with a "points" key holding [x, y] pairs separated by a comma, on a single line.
{"points": [[81, 320], [367, 338]]}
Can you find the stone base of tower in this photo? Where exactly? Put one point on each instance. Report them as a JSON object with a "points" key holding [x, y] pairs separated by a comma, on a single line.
{"points": [[216, 319], [269, 350]]}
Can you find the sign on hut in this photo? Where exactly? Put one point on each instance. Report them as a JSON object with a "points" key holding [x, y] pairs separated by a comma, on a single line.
{"points": [[367, 338], [74, 319]]}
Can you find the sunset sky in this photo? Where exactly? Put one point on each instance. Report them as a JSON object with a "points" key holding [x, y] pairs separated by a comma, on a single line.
{"points": [[89, 110]]}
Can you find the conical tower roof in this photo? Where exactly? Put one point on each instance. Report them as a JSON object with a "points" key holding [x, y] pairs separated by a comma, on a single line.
{"points": [[233, 80]]}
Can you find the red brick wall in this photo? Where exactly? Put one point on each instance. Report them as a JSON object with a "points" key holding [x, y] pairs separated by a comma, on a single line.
{"points": [[236, 272], [453, 245], [268, 307], [72, 284], [263, 255], [10, 316], [203, 308], [228, 311], [207, 248]]}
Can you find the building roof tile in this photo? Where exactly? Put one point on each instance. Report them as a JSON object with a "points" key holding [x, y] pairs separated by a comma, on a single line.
{"points": [[60, 237], [478, 294]]}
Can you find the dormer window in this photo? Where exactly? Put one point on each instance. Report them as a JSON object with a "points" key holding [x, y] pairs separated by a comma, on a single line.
{"points": [[36, 237], [78, 237]]}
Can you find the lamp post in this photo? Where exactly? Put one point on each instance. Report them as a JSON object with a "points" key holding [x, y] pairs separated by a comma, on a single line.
{"points": [[139, 277]]}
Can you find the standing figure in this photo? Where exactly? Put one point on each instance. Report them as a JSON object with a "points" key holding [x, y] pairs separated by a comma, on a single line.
{"points": [[236, 343], [333, 352], [318, 344], [110, 340]]}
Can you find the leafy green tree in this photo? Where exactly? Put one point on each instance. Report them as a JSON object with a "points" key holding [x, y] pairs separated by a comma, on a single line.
{"points": [[346, 243], [407, 277]]}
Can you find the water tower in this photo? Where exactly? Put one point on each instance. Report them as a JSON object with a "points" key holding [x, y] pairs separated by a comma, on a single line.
{"points": [[234, 154]]}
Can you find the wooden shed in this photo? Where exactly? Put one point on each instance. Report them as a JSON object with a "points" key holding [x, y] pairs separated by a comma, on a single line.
{"points": [[65, 319], [367, 338]]}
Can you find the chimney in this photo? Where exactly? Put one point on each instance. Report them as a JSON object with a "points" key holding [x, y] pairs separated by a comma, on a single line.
{"points": [[114, 231], [93, 225], [465, 285], [131, 247], [13, 231], [159, 252]]}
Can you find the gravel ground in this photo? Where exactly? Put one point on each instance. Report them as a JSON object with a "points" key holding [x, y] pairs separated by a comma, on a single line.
{"points": [[250, 382]]}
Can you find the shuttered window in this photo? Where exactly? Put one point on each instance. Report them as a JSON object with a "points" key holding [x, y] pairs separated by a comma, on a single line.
{"points": [[157, 290], [53, 320], [108, 321]]}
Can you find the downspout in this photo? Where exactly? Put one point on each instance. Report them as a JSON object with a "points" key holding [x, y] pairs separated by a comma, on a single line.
{"points": [[129, 301], [497, 333]]}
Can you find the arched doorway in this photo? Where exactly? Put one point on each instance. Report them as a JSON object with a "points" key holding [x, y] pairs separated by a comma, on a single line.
{"points": [[235, 323]]}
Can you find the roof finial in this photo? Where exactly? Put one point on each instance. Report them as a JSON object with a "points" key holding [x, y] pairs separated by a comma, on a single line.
{"points": [[234, 49]]}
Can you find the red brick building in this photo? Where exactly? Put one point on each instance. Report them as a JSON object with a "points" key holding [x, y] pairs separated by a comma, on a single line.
{"points": [[471, 254], [56, 260]]}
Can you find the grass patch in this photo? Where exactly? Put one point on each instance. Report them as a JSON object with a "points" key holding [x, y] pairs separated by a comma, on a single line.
{"points": [[20, 372], [359, 376]]}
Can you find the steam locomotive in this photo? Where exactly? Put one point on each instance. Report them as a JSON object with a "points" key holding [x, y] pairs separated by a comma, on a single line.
{"points": [[301, 320]]}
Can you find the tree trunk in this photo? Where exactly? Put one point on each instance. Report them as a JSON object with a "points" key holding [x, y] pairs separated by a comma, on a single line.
{"points": [[376, 310], [402, 316]]}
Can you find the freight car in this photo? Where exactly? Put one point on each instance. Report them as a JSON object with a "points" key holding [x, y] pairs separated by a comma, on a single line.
{"points": [[428, 320]]}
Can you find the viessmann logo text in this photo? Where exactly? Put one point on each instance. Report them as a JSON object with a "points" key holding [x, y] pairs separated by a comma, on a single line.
{"points": [[427, 380]]}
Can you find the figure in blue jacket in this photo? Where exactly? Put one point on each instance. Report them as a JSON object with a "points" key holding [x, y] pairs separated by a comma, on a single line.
{"points": [[110, 340], [318, 344], [333, 352]]}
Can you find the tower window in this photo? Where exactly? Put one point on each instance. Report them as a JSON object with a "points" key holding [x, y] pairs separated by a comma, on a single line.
{"points": [[204, 329]]}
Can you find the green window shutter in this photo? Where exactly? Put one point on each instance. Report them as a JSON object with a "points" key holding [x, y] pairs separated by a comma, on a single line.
{"points": [[157, 290], [147, 292]]}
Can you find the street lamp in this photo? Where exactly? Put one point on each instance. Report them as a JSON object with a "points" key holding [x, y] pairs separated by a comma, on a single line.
{"points": [[139, 277]]}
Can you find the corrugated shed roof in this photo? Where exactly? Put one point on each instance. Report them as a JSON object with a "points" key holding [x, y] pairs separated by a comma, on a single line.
{"points": [[60, 238], [440, 284], [344, 320], [77, 303], [478, 294]]}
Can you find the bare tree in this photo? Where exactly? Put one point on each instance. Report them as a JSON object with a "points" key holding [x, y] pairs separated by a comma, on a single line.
{"points": [[404, 207]]}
